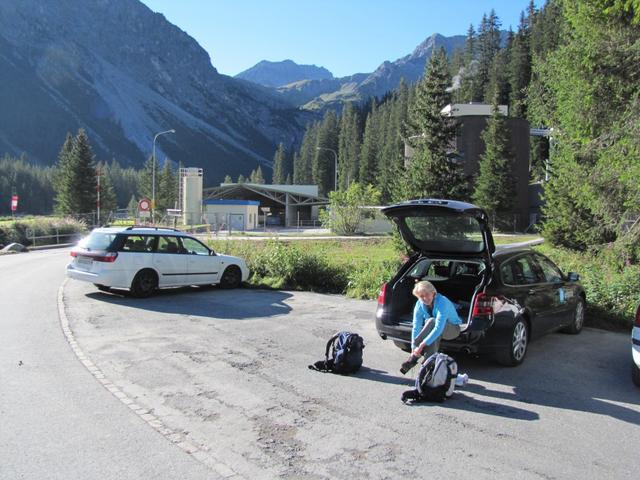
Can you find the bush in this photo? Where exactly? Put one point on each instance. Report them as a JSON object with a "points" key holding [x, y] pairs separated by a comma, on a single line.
{"points": [[365, 279], [278, 264]]}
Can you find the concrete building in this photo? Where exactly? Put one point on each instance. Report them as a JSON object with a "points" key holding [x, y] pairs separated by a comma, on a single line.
{"points": [[284, 205], [468, 147], [226, 214]]}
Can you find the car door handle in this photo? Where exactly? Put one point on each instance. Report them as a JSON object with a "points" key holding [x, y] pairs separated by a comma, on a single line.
{"points": [[532, 292]]}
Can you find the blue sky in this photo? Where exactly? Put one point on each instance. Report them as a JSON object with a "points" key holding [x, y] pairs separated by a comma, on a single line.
{"points": [[344, 36]]}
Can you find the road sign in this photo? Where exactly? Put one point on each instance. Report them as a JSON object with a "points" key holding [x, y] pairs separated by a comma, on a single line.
{"points": [[174, 212], [144, 205], [14, 203]]}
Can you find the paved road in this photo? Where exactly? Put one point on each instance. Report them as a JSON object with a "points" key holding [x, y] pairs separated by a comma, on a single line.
{"points": [[56, 420], [225, 372]]}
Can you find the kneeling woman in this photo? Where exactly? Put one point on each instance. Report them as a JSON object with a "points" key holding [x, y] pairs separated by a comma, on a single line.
{"points": [[434, 317]]}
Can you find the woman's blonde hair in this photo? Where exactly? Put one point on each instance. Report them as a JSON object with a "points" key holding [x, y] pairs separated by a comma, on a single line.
{"points": [[423, 287]]}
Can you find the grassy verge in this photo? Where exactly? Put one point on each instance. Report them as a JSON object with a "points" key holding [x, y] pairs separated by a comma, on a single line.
{"points": [[40, 230]]}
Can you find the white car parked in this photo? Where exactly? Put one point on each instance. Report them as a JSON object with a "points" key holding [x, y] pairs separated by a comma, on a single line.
{"points": [[635, 349], [144, 259]]}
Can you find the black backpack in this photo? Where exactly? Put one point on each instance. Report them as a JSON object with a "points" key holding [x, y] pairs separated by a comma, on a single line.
{"points": [[343, 354], [435, 380]]}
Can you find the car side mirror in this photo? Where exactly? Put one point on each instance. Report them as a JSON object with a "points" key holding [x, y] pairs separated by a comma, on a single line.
{"points": [[573, 277]]}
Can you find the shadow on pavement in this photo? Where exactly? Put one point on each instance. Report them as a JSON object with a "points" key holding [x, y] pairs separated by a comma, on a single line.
{"points": [[208, 302], [581, 373]]}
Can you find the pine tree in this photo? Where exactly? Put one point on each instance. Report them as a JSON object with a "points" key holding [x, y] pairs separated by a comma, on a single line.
{"points": [[368, 165], [227, 179], [495, 184], [488, 47], [167, 194], [519, 68], [279, 165], [469, 90], [324, 160], [83, 175], [132, 207], [256, 176], [349, 145], [431, 171], [146, 179], [241, 179], [63, 177], [108, 199], [303, 172]]}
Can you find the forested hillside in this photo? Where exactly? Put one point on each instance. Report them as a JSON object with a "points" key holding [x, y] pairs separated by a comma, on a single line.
{"points": [[572, 66]]}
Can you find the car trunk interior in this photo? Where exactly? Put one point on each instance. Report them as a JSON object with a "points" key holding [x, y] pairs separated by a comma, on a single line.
{"points": [[457, 280]]}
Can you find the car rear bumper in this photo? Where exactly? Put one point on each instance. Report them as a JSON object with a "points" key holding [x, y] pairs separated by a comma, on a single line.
{"points": [[106, 278]]}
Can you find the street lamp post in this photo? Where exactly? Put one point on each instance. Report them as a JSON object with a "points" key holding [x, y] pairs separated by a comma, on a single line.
{"points": [[335, 157], [153, 172]]}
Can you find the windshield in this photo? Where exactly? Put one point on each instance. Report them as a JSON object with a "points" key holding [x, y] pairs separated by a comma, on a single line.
{"points": [[446, 233], [97, 241]]}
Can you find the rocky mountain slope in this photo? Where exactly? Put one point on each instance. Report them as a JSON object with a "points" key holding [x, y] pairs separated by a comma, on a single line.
{"points": [[278, 74], [124, 73], [316, 94]]}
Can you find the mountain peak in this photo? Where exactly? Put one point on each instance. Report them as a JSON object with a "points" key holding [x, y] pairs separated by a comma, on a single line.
{"points": [[278, 74]]}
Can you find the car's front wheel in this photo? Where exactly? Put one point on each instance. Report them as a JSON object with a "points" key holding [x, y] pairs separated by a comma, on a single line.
{"points": [[231, 277], [635, 374], [144, 283], [577, 323], [513, 353]]}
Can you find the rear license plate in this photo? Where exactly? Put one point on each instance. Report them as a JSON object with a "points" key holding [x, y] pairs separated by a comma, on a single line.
{"points": [[85, 262]]}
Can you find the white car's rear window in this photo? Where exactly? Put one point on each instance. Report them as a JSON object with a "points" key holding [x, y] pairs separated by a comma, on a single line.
{"points": [[97, 241]]}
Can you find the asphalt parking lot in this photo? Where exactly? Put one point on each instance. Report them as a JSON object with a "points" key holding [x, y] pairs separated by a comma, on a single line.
{"points": [[225, 374]]}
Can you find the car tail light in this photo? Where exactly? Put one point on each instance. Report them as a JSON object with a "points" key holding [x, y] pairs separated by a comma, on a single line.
{"points": [[73, 253], [382, 296], [638, 317], [483, 305], [108, 257]]}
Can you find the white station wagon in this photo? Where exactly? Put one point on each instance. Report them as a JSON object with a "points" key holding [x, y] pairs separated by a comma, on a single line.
{"points": [[144, 259]]}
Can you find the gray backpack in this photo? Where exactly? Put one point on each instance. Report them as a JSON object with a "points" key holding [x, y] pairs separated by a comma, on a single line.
{"points": [[435, 381]]}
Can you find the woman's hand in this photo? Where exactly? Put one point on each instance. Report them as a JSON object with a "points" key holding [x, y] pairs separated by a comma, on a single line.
{"points": [[418, 350]]}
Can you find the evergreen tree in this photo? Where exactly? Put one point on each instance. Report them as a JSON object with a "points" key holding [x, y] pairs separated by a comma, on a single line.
{"points": [[470, 89], [167, 188], [146, 179], [227, 179], [241, 179], [75, 179], [132, 207], [324, 160], [488, 47], [83, 174], [62, 177], [369, 152], [256, 176], [519, 68], [431, 171], [349, 146], [279, 165], [303, 173], [108, 199], [495, 185]]}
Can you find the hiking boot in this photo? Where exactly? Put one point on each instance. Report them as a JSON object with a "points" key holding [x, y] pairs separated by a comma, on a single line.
{"points": [[409, 364]]}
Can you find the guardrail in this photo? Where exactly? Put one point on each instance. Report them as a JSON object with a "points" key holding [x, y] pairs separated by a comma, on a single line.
{"points": [[48, 240]]}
